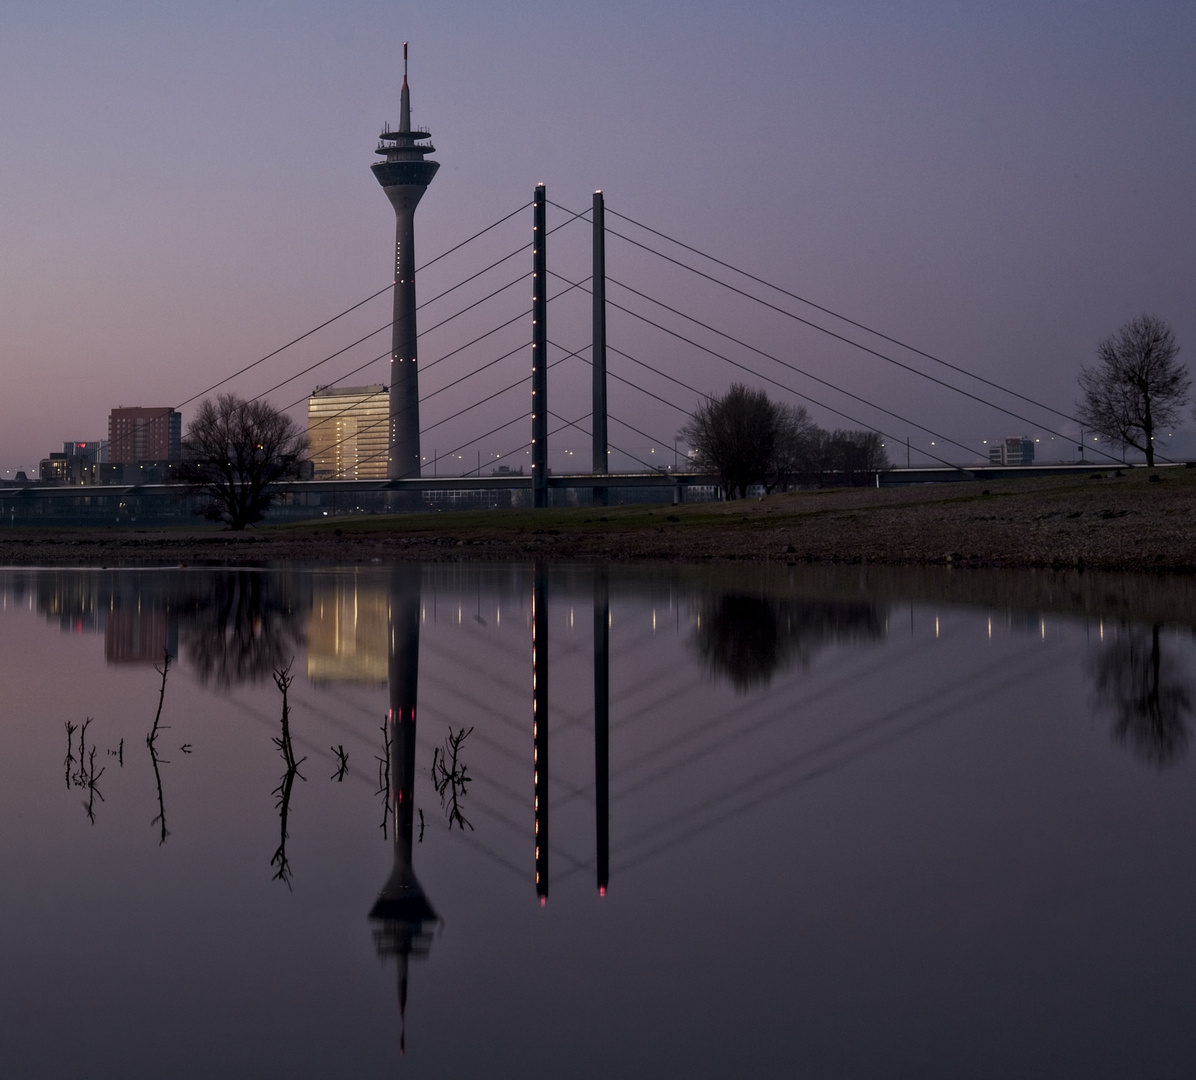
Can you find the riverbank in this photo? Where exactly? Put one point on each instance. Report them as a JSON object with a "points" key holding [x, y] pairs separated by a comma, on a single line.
{"points": [[1141, 521]]}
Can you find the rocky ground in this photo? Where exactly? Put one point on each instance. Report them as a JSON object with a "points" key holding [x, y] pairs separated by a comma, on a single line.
{"points": [[1135, 520]]}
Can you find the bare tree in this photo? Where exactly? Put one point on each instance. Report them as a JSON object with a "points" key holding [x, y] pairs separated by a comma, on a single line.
{"points": [[798, 439], [748, 439], [735, 436], [1136, 386], [235, 452], [854, 456]]}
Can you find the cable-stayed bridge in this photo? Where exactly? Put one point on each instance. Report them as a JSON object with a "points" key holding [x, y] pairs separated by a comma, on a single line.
{"points": [[635, 327], [681, 323]]}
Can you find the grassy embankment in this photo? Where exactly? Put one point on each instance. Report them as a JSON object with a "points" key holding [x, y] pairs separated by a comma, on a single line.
{"points": [[1096, 521]]}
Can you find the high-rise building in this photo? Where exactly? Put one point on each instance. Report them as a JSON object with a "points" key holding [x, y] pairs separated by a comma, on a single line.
{"points": [[348, 432], [1012, 451], [140, 434], [404, 176]]}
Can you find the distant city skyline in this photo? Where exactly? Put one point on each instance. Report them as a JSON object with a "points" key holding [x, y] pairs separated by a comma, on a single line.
{"points": [[186, 190]]}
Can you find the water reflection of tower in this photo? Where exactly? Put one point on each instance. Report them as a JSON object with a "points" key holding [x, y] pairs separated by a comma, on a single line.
{"points": [[602, 727], [540, 725], [402, 915]]}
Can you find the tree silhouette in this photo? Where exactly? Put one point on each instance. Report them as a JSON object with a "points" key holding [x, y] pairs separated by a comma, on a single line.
{"points": [[242, 625], [1137, 385], [235, 452], [736, 436], [1145, 690], [748, 638]]}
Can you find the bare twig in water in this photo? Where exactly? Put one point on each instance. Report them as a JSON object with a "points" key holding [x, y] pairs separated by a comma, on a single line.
{"points": [[451, 778], [384, 777], [283, 806], [149, 739], [70, 757], [283, 679], [80, 776], [86, 775], [160, 820], [90, 776]]}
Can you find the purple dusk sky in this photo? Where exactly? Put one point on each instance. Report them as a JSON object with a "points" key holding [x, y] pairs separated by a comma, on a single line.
{"points": [[185, 187]]}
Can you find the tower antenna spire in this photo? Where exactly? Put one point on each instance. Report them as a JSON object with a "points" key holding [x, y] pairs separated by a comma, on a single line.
{"points": [[405, 97]]}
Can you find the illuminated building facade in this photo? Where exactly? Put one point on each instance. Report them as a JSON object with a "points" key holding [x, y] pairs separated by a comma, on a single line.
{"points": [[75, 465], [348, 432], [347, 633], [139, 434], [1012, 451], [404, 176]]}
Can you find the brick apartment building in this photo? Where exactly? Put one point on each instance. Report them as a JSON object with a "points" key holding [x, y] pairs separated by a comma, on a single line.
{"points": [[140, 434]]}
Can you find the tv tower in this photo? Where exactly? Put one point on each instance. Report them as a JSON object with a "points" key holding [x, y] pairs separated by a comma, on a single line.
{"points": [[404, 176]]}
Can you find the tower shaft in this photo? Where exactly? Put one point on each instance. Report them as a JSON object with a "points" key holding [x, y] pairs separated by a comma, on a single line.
{"points": [[404, 456], [404, 176]]}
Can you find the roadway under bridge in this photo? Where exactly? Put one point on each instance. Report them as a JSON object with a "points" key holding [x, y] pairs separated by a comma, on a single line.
{"points": [[171, 504]]}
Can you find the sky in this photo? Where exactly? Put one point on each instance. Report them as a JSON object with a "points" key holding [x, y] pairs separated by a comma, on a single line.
{"points": [[184, 188]]}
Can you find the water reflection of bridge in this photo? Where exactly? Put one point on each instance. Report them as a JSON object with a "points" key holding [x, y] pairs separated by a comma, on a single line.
{"points": [[237, 625], [364, 627], [354, 635]]}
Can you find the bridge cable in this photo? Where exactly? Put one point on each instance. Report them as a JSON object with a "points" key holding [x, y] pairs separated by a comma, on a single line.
{"points": [[483, 401], [851, 322], [354, 307], [744, 344], [825, 311], [806, 397], [628, 382], [307, 370]]}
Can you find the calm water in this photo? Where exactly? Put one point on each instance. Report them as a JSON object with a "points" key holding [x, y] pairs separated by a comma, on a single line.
{"points": [[563, 824]]}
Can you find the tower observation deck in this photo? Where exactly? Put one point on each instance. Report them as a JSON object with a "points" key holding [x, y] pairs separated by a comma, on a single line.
{"points": [[404, 175]]}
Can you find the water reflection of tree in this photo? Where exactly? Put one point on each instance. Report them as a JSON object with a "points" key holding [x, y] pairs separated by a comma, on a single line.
{"points": [[242, 626], [1144, 687], [283, 680], [748, 638]]}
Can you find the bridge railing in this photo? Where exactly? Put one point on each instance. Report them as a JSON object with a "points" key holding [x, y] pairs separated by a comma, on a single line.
{"points": [[162, 505]]}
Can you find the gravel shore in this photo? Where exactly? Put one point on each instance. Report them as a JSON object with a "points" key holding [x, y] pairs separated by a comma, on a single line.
{"points": [[1141, 520]]}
